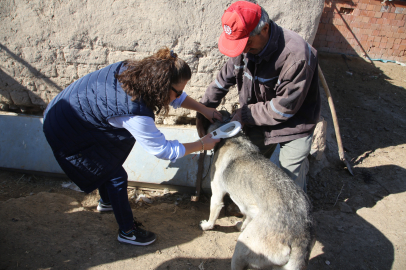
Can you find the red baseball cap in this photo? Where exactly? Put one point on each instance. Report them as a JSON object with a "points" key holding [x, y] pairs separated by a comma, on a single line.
{"points": [[238, 21]]}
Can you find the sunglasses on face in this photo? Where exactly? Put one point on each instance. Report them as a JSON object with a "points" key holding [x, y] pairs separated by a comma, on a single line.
{"points": [[178, 93]]}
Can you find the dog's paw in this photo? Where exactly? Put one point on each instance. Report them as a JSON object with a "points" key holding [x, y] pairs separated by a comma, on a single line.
{"points": [[205, 225]]}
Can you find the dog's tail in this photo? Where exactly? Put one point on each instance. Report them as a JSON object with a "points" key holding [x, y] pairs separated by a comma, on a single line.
{"points": [[300, 251]]}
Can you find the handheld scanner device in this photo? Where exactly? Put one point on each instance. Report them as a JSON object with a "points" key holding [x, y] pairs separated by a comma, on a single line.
{"points": [[226, 131]]}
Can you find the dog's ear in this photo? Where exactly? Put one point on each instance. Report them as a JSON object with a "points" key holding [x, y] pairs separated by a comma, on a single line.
{"points": [[205, 122]]}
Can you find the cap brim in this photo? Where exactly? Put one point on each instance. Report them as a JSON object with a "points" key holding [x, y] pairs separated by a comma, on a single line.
{"points": [[231, 48]]}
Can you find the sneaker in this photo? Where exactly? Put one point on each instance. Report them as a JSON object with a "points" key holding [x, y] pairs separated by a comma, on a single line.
{"points": [[102, 207], [137, 236]]}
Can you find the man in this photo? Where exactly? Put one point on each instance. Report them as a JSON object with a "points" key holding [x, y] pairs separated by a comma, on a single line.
{"points": [[275, 71]]}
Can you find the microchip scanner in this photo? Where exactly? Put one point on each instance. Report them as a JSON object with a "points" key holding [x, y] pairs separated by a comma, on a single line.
{"points": [[226, 131]]}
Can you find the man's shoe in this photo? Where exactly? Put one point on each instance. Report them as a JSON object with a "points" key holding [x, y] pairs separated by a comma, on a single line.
{"points": [[137, 236], [103, 207]]}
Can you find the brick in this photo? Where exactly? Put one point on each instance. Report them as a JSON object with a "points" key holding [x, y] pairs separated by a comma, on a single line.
{"points": [[396, 52], [397, 41], [391, 40], [384, 40], [392, 9], [370, 38], [337, 21], [358, 19], [321, 26], [365, 19], [364, 13], [396, 46], [375, 44], [385, 15], [378, 14], [379, 21], [328, 26], [402, 47], [396, 35], [337, 33], [401, 23], [323, 43], [370, 7], [389, 34], [391, 16], [329, 38], [399, 17], [330, 14], [386, 28], [386, 22], [374, 33], [356, 12], [362, 6], [322, 32], [349, 18], [330, 43], [349, 34], [330, 32], [377, 8], [371, 13], [403, 42], [325, 20], [399, 10], [375, 26]]}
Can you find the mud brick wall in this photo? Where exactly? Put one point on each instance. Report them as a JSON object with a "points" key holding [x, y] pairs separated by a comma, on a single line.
{"points": [[368, 28], [45, 45]]}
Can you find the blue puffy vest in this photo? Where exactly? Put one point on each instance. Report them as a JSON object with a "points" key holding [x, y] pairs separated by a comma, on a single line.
{"points": [[88, 149]]}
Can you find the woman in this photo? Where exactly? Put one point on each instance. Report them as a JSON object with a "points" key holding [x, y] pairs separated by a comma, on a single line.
{"points": [[93, 124]]}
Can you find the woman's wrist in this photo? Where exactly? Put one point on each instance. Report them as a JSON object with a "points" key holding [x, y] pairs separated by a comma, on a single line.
{"points": [[201, 141]]}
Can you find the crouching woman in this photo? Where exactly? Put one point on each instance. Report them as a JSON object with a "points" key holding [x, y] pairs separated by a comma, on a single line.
{"points": [[93, 124]]}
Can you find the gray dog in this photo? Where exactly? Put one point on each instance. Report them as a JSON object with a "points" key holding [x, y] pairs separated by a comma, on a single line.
{"points": [[277, 226]]}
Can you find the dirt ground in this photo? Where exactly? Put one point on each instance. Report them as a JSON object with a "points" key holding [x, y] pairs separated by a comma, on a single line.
{"points": [[360, 220]]}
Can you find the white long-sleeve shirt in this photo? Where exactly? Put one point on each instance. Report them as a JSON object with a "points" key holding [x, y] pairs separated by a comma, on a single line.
{"points": [[146, 133]]}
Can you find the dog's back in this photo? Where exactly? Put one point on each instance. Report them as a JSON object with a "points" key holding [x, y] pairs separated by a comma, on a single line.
{"points": [[280, 229], [278, 224]]}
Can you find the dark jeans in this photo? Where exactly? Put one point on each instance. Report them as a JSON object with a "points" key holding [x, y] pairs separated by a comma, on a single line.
{"points": [[114, 191]]}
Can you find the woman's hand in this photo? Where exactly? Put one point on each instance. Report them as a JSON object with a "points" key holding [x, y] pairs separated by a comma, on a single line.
{"points": [[211, 114], [209, 142], [205, 143]]}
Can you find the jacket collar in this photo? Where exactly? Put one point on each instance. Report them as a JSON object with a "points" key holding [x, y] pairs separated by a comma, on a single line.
{"points": [[270, 47]]}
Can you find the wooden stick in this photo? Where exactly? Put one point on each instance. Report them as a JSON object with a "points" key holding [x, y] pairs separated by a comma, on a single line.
{"points": [[335, 120], [199, 177]]}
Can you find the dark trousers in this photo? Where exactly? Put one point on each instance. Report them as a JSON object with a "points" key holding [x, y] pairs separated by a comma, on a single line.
{"points": [[114, 191]]}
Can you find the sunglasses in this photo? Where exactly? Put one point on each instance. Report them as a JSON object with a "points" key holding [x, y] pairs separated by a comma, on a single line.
{"points": [[178, 93]]}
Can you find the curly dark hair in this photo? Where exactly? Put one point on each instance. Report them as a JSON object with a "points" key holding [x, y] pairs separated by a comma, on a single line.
{"points": [[150, 79]]}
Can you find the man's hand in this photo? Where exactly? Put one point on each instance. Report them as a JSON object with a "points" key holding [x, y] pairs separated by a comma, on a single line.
{"points": [[237, 117]]}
